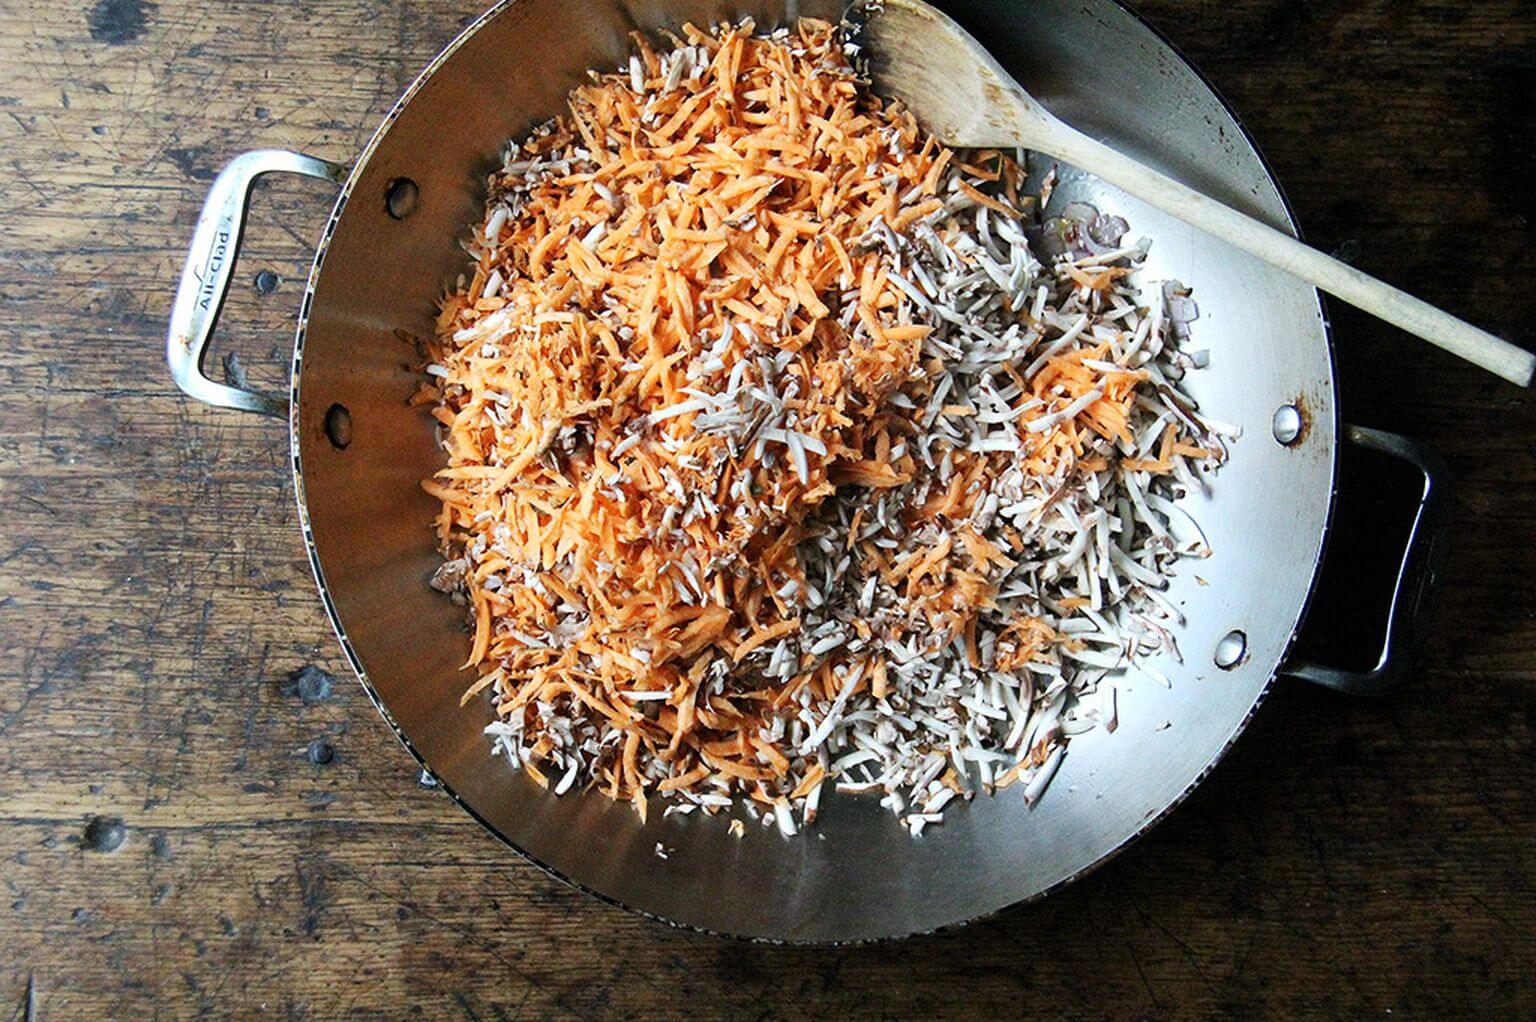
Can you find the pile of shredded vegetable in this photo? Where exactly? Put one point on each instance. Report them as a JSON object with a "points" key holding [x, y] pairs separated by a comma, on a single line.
{"points": [[776, 459]]}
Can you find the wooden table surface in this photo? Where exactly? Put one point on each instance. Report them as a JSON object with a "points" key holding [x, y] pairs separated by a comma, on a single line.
{"points": [[185, 829]]}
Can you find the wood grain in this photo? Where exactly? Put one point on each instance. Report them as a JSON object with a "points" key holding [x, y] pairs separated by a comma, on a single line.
{"points": [[276, 853]]}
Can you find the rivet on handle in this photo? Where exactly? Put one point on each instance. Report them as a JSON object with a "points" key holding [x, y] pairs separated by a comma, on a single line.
{"points": [[400, 197], [1287, 425], [1232, 649]]}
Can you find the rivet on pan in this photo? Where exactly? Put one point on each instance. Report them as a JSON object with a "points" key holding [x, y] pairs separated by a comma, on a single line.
{"points": [[338, 426], [1232, 649], [1287, 424], [400, 197]]}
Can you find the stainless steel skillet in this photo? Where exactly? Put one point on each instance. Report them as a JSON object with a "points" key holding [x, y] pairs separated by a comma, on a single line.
{"points": [[359, 453]]}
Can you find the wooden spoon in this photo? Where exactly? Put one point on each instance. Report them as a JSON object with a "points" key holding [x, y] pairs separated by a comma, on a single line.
{"points": [[918, 55]]}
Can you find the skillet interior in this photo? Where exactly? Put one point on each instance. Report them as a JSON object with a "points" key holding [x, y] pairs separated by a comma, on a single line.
{"points": [[855, 875]]}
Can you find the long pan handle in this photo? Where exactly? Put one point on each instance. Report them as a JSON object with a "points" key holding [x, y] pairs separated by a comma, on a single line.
{"points": [[210, 264]]}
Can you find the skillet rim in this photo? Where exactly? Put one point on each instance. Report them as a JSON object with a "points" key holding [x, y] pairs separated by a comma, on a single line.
{"points": [[312, 551]]}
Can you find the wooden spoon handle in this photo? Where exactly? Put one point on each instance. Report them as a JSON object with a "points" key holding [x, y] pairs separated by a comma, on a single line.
{"points": [[1361, 290]]}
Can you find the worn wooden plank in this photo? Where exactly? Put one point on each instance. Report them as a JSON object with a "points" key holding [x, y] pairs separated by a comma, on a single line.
{"points": [[276, 852]]}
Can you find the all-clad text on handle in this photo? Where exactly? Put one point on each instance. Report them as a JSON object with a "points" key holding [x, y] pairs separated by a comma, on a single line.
{"points": [[210, 262]]}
